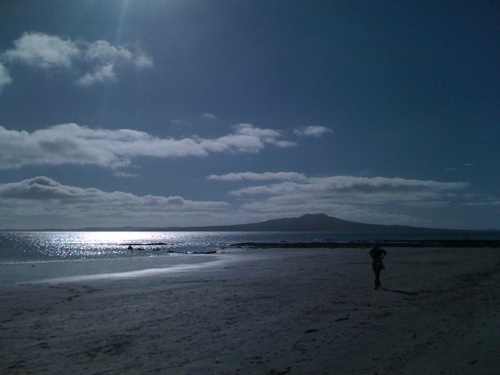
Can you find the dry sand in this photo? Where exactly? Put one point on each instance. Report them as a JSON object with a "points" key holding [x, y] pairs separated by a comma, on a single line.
{"points": [[268, 311]]}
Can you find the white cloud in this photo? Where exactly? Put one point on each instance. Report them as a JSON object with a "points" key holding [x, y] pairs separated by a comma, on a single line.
{"points": [[98, 60], [43, 201], [106, 53], [209, 116], [312, 131], [377, 200], [74, 144], [251, 176], [265, 135], [125, 174], [377, 189], [143, 61], [5, 77], [101, 74], [43, 51]]}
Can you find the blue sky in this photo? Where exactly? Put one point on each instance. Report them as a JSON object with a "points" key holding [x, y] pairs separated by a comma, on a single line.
{"points": [[179, 113]]}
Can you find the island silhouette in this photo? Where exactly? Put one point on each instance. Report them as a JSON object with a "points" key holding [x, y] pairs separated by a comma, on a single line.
{"points": [[305, 223]]}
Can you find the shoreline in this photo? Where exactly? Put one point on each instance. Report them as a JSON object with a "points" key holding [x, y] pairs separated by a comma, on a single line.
{"points": [[86, 269], [465, 243], [289, 311]]}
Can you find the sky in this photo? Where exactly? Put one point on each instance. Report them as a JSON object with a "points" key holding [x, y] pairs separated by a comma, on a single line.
{"points": [[193, 112]]}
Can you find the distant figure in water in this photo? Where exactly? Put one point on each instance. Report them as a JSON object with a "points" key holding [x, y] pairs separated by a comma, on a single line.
{"points": [[377, 254]]}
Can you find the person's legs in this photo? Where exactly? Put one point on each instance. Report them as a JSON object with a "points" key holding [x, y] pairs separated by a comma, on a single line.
{"points": [[377, 278]]}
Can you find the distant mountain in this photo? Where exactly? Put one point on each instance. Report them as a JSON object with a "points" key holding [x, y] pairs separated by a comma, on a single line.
{"points": [[310, 223], [304, 223]]}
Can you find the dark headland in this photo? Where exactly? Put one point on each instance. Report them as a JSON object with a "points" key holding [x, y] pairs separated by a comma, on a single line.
{"points": [[304, 223], [325, 223]]}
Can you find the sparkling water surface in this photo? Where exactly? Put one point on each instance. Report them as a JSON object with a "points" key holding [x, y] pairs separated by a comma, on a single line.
{"points": [[52, 246], [41, 256], [45, 246]]}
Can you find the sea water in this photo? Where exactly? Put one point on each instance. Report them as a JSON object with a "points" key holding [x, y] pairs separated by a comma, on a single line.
{"points": [[25, 246], [27, 256], [30, 256]]}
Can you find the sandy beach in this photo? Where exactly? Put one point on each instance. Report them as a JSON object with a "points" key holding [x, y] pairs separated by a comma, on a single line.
{"points": [[272, 311]]}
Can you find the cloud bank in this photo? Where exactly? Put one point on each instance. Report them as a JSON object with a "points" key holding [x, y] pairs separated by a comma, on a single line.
{"points": [[75, 144], [98, 60], [337, 185], [42, 202], [378, 200], [45, 200], [324, 191], [312, 131], [251, 176]]}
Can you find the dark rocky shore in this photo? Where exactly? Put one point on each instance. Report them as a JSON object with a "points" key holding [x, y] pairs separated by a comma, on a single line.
{"points": [[365, 244]]}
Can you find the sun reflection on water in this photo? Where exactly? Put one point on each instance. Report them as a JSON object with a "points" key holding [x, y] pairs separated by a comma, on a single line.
{"points": [[83, 245]]}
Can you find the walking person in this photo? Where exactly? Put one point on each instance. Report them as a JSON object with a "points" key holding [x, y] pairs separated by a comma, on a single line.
{"points": [[377, 254]]}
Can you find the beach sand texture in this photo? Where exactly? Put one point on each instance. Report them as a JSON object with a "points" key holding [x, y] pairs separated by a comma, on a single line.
{"points": [[286, 311]]}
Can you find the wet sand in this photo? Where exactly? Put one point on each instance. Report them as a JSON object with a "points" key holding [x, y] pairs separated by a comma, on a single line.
{"points": [[272, 311]]}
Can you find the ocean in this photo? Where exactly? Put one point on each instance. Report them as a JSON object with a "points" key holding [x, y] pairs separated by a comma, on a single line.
{"points": [[36, 256]]}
